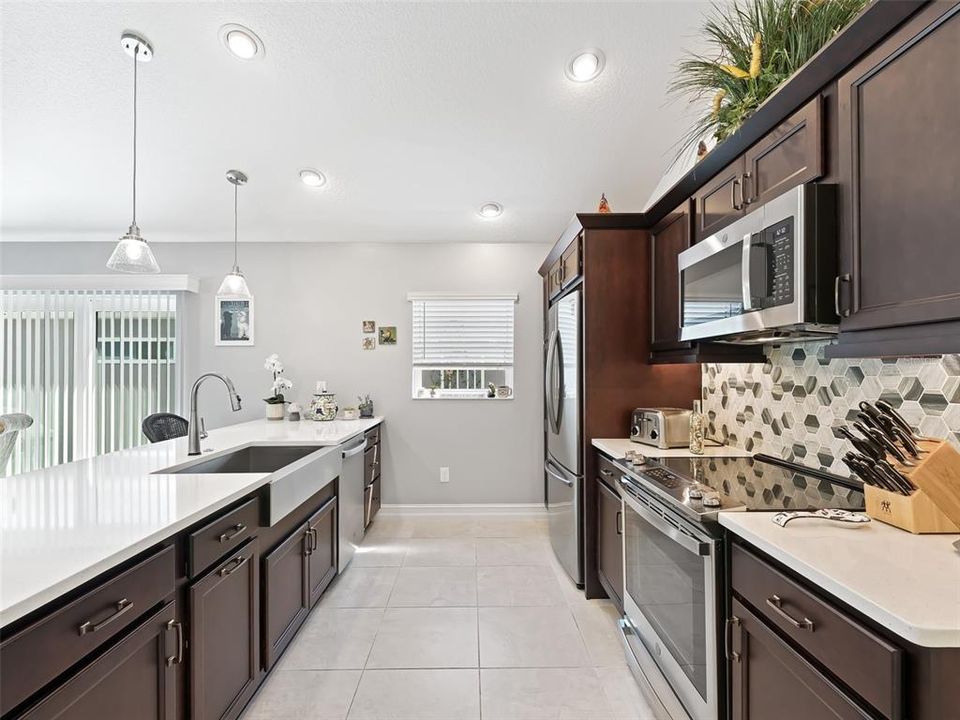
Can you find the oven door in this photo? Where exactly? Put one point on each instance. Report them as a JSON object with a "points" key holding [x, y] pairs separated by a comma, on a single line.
{"points": [[670, 601]]}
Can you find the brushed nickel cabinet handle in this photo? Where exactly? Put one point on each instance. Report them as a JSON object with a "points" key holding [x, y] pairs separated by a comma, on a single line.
{"points": [[234, 565], [745, 195], [606, 473], [836, 294], [776, 603], [233, 532], [619, 523], [731, 623], [122, 607], [733, 193], [178, 658]]}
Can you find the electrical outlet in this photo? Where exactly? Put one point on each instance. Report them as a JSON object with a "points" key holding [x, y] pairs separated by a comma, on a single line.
{"points": [[444, 474]]}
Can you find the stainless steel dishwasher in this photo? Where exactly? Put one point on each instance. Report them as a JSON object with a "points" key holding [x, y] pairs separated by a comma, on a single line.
{"points": [[350, 499]]}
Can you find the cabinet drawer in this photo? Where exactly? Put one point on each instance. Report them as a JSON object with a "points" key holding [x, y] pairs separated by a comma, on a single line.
{"points": [[371, 464], [372, 435], [864, 661], [224, 535], [39, 653], [555, 278]]}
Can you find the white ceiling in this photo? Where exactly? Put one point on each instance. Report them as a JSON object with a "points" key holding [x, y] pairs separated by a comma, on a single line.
{"points": [[416, 112]]}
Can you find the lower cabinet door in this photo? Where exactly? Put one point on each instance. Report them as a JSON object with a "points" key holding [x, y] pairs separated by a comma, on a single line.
{"points": [[322, 552], [375, 499], [610, 542], [225, 636], [134, 679], [286, 592], [769, 679]]}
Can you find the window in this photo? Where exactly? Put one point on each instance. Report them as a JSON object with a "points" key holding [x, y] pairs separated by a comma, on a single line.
{"points": [[462, 344], [87, 366]]}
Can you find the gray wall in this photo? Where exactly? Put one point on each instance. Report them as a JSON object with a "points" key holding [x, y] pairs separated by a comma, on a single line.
{"points": [[310, 301]]}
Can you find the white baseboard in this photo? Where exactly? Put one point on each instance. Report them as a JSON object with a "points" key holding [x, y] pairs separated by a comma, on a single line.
{"points": [[513, 509]]}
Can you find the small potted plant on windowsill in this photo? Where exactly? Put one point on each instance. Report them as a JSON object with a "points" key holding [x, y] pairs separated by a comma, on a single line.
{"points": [[275, 403]]}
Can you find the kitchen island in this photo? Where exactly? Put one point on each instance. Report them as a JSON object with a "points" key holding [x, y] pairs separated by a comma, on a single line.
{"points": [[105, 557]]}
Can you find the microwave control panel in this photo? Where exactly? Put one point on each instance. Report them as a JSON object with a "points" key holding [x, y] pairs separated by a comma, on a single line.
{"points": [[777, 241]]}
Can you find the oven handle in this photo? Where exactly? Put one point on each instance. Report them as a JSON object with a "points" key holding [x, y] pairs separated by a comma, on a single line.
{"points": [[687, 542]]}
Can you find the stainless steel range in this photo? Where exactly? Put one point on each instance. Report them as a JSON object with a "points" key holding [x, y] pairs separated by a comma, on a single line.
{"points": [[674, 571]]}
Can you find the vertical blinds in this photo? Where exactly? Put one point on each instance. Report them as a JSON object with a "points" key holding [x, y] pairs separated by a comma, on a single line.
{"points": [[88, 366], [463, 331]]}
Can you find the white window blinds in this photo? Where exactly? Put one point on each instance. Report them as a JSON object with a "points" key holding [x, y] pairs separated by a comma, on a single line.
{"points": [[463, 331], [87, 366]]}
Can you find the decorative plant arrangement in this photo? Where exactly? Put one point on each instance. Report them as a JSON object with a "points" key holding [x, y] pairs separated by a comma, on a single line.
{"points": [[276, 400], [365, 406], [758, 45]]}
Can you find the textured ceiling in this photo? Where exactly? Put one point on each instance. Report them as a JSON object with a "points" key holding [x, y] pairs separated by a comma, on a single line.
{"points": [[416, 112]]}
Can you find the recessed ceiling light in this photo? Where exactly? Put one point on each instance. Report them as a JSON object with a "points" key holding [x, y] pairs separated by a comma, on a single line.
{"points": [[312, 178], [491, 210], [585, 65], [241, 42]]}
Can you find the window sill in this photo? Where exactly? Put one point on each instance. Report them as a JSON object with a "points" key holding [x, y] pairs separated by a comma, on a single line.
{"points": [[461, 397]]}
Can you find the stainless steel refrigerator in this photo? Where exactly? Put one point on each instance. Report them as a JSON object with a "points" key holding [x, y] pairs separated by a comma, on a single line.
{"points": [[563, 464]]}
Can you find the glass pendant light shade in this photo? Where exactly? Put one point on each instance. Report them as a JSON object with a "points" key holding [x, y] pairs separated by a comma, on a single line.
{"points": [[234, 285], [133, 255]]}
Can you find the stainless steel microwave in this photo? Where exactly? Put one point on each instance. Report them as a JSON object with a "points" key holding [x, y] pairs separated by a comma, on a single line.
{"points": [[768, 277]]}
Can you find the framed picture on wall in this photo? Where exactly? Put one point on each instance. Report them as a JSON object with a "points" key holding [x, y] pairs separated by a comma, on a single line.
{"points": [[234, 321]]}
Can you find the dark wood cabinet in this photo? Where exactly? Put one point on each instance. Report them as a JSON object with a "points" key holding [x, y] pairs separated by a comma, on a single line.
{"points": [[322, 549], [609, 538], [371, 479], [566, 268], [720, 201], [790, 155], [670, 237], [899, 150], [37, 654], [225, 636], [286, 596], [768, 679], [136, 678]]}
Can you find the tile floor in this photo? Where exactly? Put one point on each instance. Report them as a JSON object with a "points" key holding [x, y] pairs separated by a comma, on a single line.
{"points": [[454, 618]]}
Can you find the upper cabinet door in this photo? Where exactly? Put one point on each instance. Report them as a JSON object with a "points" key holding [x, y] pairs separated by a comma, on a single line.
{"points": [[790, 155], [720, 201], [899, 154], [670, 237]]}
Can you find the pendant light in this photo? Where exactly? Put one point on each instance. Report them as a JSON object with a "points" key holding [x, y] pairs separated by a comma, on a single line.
{"points": [[234, 284], [132, 254]]}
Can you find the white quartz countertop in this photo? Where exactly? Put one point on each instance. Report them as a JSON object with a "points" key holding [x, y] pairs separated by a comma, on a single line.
{"points": [[617, 448], [64, 525], [909, 584]]}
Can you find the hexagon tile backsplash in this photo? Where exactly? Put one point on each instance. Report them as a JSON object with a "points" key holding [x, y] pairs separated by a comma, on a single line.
{"points": [[790, 405]]}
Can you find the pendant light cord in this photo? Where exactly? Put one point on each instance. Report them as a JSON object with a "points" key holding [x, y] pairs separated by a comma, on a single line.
{"points": [[136, 51], [235, 190]]}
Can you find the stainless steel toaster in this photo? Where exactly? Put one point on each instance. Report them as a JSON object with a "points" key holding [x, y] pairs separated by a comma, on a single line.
{"points": [[661, 427]]}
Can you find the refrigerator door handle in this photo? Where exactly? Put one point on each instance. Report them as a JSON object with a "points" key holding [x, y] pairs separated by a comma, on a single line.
{"points": [[561, 387], [556, 476], [552, 418]]}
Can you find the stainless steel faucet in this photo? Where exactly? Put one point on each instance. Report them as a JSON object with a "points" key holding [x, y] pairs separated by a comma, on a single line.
{"points": [[193, 441]]}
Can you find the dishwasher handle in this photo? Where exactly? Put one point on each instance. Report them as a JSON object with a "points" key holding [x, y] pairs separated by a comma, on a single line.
{"points": [[355, 450]]}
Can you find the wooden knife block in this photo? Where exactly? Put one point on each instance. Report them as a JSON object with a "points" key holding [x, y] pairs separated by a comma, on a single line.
{"points": [[935, 506], [914, 513]]}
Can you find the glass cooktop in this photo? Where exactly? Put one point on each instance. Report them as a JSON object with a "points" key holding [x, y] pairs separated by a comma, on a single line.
{"points": [[740, 483]]}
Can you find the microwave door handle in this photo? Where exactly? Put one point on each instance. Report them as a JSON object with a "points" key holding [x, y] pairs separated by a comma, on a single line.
{"points": [[745, 272]]}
